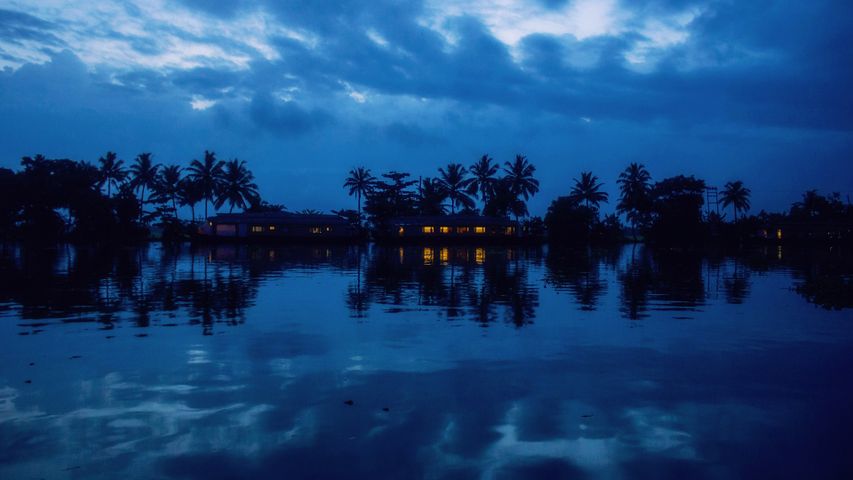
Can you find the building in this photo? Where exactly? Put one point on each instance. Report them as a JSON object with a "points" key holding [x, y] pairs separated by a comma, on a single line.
{"points": [[452, 227], [277, 226]]}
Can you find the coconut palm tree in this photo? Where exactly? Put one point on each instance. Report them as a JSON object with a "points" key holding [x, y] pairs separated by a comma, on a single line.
{"points": [[143, 174], [190, 193], [237, 187], [112, 171], [360, 183], [168, 186], [453, 180], [431, 197], [588, 190], [484, 181], [736, 195], [208, 176], [635, 193], [519, 175]]}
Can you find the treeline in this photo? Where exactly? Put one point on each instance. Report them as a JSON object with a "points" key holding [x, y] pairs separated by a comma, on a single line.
{"points": [[58, 199], [503, 191], [672, 210]]}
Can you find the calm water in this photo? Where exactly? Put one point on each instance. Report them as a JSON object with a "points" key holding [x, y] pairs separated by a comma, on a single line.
{"points": [[493, 363]]}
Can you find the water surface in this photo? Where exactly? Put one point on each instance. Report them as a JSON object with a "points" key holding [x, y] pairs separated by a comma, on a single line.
{"points": [[490, 363]]}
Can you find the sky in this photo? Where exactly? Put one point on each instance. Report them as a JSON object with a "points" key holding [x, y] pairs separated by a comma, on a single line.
{"points": [[756, 90]]}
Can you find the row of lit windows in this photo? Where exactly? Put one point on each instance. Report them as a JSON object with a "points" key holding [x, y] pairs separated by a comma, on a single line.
{"points": [[272, 228], [431, 229]]}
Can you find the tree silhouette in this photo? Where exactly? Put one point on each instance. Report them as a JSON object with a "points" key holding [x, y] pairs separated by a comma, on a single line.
{"points": [[190, 193], [519, 180], [237, 186], [736, 195], [455, 184], [635, 194], [484, 180], [112, 171], [588, 190], [359, 182], [167, 188], [431, 197], [208, 176], [143, 174]]}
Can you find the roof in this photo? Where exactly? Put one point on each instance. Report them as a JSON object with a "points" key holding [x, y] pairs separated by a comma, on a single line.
{"points": [[452, 220], [278, 217]]}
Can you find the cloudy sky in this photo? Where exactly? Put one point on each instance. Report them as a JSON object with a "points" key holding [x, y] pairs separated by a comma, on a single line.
{"points": [[303, 90]]}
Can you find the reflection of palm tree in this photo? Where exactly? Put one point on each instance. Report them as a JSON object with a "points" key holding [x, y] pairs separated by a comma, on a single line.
{"points": [[112, 171], [588, 190], [237, 187], [484, 181], [455, 184], [736, 195], [208, 176], [635, 189], [144, 173], [360, 183]]}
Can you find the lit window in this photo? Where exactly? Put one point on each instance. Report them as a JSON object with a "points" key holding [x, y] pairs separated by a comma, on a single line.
{"points": [[779, 233], [272, 228], [257, 229], [444, 229], [328, 229], [316, 230], [429, 256], [510, 230], [462, 229], [429, 229], [444, 255], [401, 231], [210, 223], [480, 256], [479, 229]]}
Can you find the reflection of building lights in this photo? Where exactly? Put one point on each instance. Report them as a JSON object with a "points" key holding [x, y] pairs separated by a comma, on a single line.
{"points": [[444, 229], [480, 256], [429, 229], [479, 229], [779, 252], [429, 256], [444, 255], [272, 254], [401, 255], [778, 234]]}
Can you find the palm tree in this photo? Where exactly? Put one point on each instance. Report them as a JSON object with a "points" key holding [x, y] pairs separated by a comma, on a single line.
{"points": [[588, 190], [519, 177], [168, 186], [208, 176], [431, 197], [736, 195], [112, 171], [237, 188], [144, 175], [635, 194], [360, 182], [455, 184], [484, 181], [189, 194]]}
